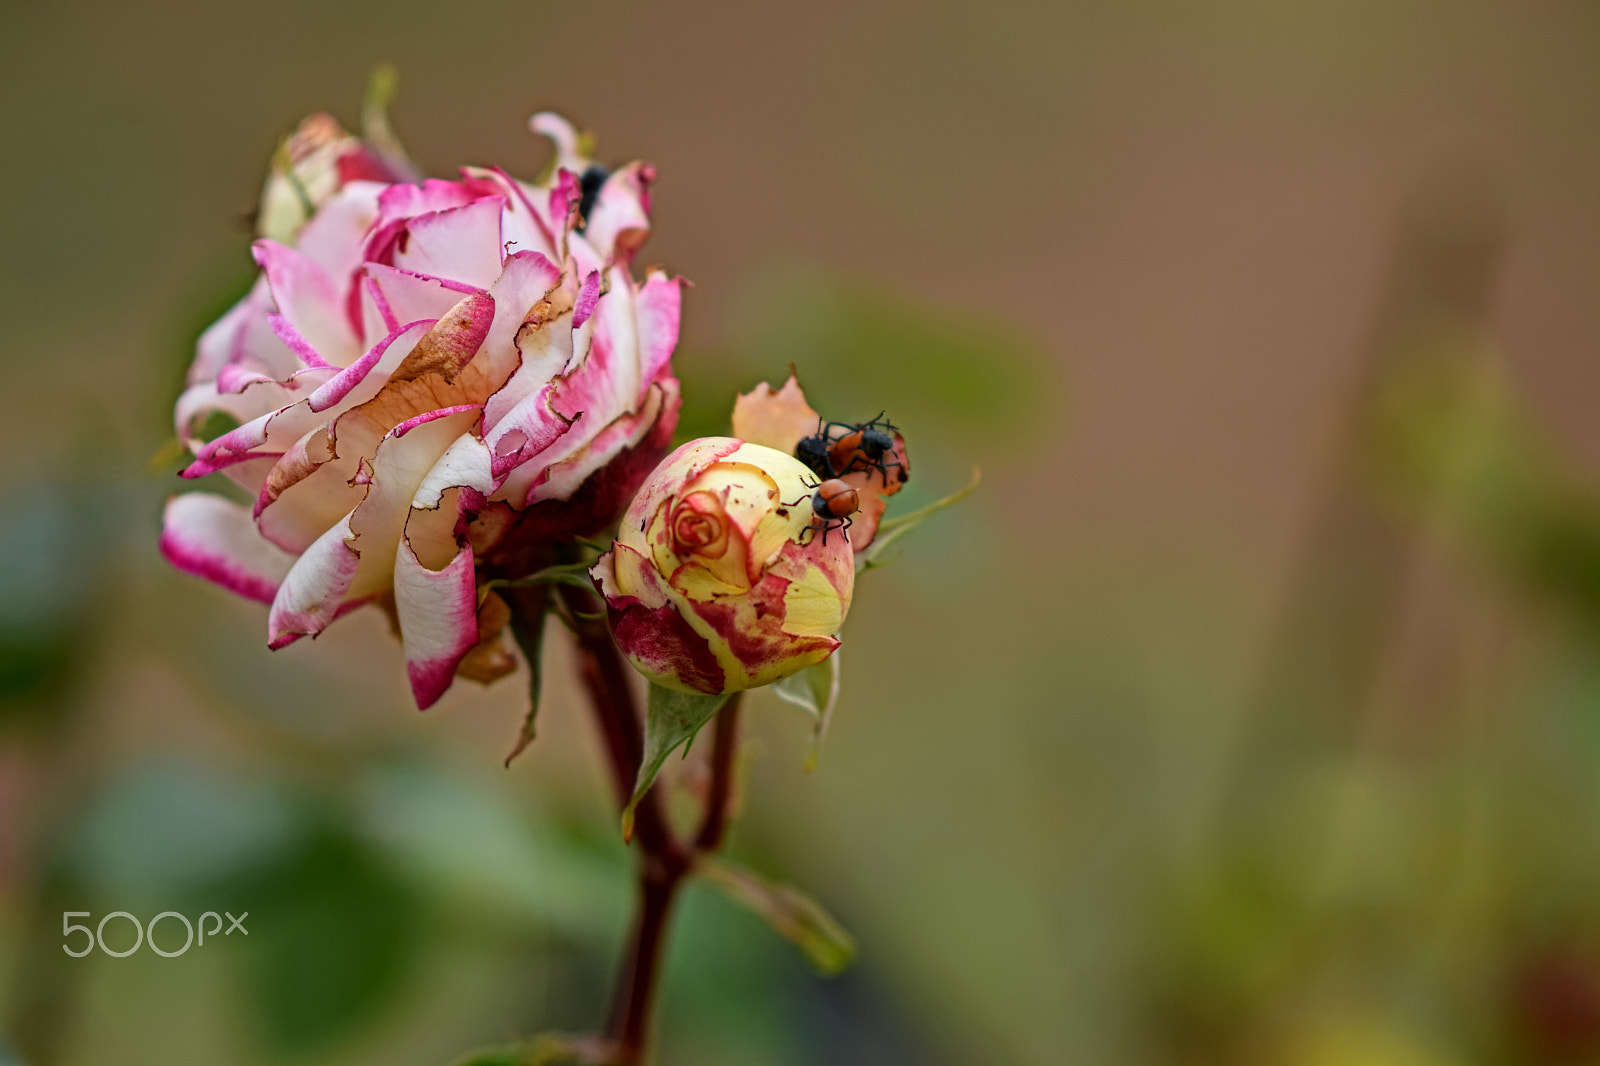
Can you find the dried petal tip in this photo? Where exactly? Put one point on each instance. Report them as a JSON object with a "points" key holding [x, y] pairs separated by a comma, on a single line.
{"points": [[777, 418]]}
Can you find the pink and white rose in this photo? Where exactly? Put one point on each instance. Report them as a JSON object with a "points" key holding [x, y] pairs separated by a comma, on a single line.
{"points": [[431, 383]]}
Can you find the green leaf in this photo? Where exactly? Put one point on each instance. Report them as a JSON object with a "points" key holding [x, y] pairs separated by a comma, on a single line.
{"points": [[672, 718], [814, 690], [791, 913], [527, 628], [892, 529]]}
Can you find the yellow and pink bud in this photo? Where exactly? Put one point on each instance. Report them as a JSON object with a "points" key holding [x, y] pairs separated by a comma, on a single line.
{"points": [[721, 578]]}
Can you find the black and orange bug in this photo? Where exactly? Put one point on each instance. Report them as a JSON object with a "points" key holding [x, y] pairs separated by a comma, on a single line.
{"points": [[863, 446], [834, 501], [813, 452], [838, 448], [589, 191]]}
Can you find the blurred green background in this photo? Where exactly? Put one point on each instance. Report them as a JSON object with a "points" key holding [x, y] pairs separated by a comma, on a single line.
{"points": [[1248, 714]]}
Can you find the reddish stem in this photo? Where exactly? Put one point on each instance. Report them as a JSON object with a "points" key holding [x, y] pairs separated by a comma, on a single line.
{"points": [[606, 676], [664, 859]]}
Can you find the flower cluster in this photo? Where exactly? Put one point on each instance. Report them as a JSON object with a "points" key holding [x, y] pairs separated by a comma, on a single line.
{"points": [[428, 381]]}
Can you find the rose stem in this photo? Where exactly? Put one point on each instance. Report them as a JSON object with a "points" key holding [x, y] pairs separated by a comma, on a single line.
{"points": [[719, 797], [665, 861]]}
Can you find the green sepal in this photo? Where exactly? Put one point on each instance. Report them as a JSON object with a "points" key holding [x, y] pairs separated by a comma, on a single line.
{"points": [[791, 913], [574, 574], [284, 166], [671, 719], [814, 690], [891, 529], [382, 86], [527, 628]]}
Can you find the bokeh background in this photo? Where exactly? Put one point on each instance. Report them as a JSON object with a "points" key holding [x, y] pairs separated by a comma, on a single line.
{"points": [[1248, 714]]}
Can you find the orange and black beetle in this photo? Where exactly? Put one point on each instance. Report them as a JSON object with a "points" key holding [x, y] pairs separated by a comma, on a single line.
{"points": [[839, 448], [834, 501]]}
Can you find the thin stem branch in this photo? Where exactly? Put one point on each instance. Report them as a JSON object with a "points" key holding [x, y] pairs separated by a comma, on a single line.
{"points": [[665, 859]]}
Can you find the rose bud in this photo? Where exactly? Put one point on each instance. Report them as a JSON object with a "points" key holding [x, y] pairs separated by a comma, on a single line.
{"points": [[310, 166], [723, 577], [429, 384]]}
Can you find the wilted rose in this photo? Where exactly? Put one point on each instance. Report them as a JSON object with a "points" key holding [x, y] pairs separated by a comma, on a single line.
{"points": [[718, 580], [427, 384]]}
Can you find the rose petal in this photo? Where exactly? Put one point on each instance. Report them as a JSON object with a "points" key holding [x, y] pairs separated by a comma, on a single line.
{"points": [[619, 222], [334, 235], [451, 342], [309, 301], [462, 243], [544, 346], [438, 615], [243, 337], [659, 309], [315, 587], [465, 464], [391, 295], [607, 384], [563, 136], [214, 538], [777, 418], [565, 468], [403, 461], [526, 281]]}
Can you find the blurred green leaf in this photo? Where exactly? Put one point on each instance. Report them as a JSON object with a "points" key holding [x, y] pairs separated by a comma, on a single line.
{"points": [[671, 719], [791, 913], [170, 828], [53, 556], [458, 840], [814, 690], [547, 1049], [333, 933], [1447, 436], [860, 347], [511, 1055]]}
